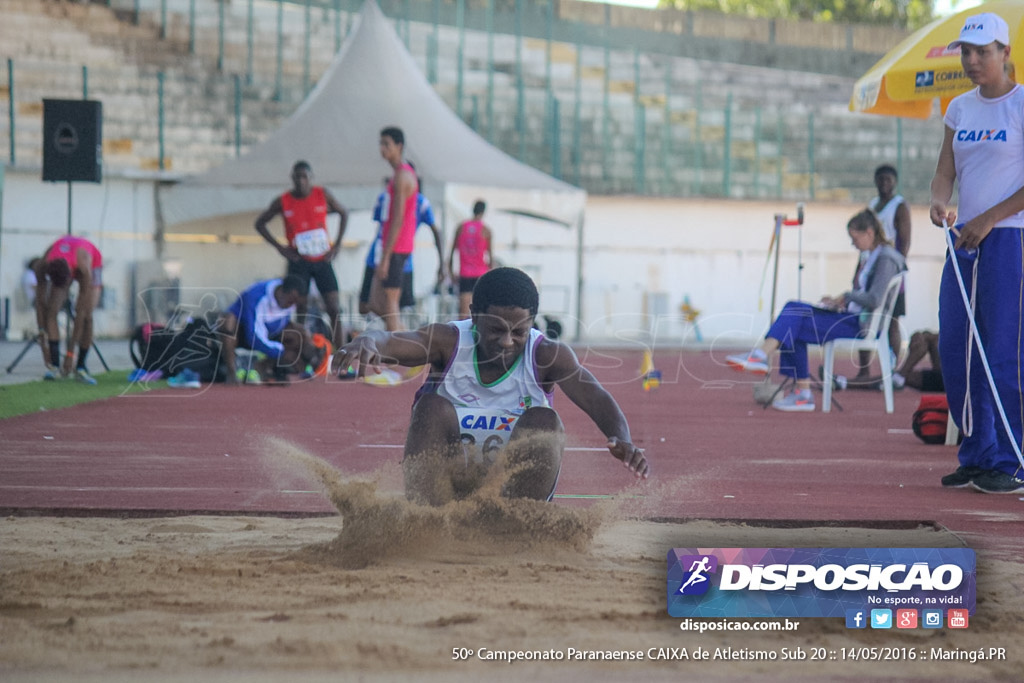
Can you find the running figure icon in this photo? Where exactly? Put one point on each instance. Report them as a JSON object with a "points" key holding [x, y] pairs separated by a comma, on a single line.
{"points": [[697, 570]]}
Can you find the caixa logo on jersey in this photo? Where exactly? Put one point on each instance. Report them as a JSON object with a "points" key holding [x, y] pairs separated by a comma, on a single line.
{"points": [[494, 423], [816, 582]]}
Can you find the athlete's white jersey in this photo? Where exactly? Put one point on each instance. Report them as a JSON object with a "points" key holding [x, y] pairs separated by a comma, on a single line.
{"points": [[488, 412]]}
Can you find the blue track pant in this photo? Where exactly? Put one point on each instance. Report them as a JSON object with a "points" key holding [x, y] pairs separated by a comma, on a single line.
{"points": [[800, 324], [994, 278]]}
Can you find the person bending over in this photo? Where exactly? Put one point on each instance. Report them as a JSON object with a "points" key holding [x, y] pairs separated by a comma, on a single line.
{"points": [[260, 320], [69, 259]]}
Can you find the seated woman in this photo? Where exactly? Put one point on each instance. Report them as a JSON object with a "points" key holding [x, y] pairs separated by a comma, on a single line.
{"points": [[842, 317]]}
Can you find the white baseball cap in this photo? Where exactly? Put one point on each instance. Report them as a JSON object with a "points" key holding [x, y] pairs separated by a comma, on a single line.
{"points": [[982, 29]]}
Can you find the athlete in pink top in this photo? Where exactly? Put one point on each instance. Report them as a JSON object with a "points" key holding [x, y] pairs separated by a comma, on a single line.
{"points": [[473, 242], [399, 228], [68, 259]]}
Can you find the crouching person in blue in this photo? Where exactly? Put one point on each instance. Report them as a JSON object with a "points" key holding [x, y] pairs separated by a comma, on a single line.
{"points": [[800, 324], [260, 320], [488, 395]]}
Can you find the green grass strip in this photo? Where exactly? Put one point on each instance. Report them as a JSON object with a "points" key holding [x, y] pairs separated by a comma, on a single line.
{"points": [[31, 397]]}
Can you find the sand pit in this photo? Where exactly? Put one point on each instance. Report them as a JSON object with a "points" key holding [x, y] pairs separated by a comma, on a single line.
{"points": [[390, 590]]}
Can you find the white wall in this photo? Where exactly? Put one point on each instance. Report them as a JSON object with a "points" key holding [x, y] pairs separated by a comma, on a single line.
{"points": [[714, 252]]}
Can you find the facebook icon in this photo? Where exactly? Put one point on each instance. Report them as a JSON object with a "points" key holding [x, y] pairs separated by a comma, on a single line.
{"points": [[856, 618]]}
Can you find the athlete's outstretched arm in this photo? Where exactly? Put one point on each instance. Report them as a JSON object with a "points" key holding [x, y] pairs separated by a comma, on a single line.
{"points": [[558, 364], [432, 344]]}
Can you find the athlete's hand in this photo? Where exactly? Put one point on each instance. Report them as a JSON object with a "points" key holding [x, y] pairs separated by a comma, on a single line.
{"points": [[382, 269], [361, 353], [290, 253], [973, 232], [940, 214], [68, 365], [632, 457]]}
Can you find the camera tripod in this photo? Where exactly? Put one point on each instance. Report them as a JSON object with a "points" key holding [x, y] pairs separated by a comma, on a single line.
{"points": [[68, 309]]}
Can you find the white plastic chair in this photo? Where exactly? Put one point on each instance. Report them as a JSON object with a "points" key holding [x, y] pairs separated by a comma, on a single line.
{"points": [[875, 338]]}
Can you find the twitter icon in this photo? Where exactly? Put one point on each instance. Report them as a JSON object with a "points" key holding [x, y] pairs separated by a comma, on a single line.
{"points": [[881, 618]]}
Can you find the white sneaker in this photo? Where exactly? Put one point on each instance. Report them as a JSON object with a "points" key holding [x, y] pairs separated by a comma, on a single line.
{"points": [[796, 401], [756, 361], [898, 381]]}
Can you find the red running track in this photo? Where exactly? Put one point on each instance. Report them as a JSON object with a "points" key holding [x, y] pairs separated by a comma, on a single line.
{"points": [[714, 452]]}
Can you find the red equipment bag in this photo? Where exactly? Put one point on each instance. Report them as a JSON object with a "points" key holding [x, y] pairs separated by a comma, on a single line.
{"points": [[929, 422]]}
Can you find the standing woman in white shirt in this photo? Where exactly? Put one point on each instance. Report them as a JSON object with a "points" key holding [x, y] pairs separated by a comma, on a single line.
{"points": [[983, 153]]}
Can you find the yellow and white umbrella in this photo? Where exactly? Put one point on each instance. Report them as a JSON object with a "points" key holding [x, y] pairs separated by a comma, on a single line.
{"points": [[920, 69]]}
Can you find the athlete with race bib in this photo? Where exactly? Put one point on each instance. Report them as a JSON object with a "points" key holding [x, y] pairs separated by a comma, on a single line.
{"points": [[309, 250], [489, 392]]}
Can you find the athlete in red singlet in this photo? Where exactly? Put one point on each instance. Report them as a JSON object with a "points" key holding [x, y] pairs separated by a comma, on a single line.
{"points": [[68, 259], [473, 242], [309, 251], [399, 227]]}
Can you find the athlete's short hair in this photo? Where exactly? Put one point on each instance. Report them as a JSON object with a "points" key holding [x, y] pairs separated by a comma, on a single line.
{"points": [[302, 166], [395, 133], [479, 207], [294, 283], [886, 168], [59, 273], [505, 287]]}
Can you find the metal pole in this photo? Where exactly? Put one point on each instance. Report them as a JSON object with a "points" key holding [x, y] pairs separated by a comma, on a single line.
{"points": [[606, 106], [490, 70], [305, 48], [727, 148], [160, 116], [810, 153], [556, 140], [405, 12], [337, 25], [220, 35], [698, 149], [779, 218], [69, 207], [549, 10], [238, 114], [191, 27], [666, 132], [639, 145], [10, 107], [577, 160], [520, 91], [780, 160], [163, 19], [250, 20], [280, 50], [85, 82], [434, 42], [757, 151], [460, 23]]}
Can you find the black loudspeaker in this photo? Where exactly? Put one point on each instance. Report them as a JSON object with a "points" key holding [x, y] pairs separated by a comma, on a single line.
{"points": [[73, 140]]}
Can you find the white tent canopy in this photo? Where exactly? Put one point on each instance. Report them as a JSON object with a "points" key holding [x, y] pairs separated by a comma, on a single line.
{"points": [[373, 82]]}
